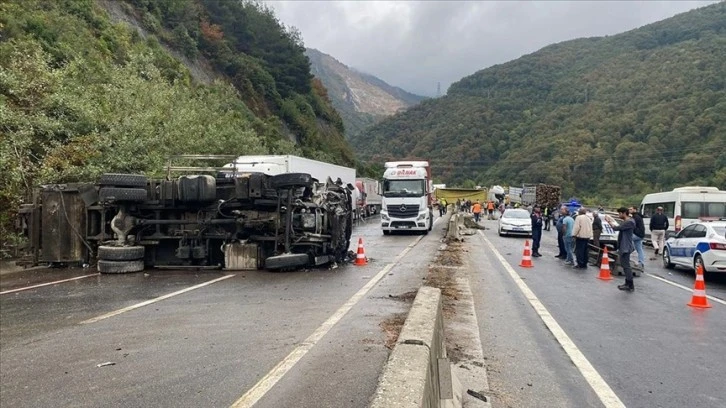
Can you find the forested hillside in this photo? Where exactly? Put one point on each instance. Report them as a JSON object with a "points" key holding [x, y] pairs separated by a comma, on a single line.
{"points": [[611, 117], [361, 99], [80, 95]]}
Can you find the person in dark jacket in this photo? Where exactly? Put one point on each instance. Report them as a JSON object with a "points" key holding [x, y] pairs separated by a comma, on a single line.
{"points": [[536, 230], [638, 234], [547, 218], [658, 227], [560, 237], [596, 228], [626, 246]]}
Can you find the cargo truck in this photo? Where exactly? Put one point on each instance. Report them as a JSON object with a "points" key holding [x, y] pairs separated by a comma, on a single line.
{"points": [[545, 195], [272, 212], [370, 200], [407, 203]]}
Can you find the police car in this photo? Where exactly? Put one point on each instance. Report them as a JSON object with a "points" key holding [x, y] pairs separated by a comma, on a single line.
{"points": [[701, 243], [608, 236]]}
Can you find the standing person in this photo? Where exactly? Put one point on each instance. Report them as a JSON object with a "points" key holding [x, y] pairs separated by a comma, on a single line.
{"points": [[596, 228], [658, 228], [477, 210], [536, 231], [560, 235], [501, 209], [490, 209], [546, 216], [458, 205], [582, 233], [442, 207], [568, 225], [625, 245], [638, 234]]}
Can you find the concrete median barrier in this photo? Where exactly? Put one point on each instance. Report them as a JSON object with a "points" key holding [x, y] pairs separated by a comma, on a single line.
{"points": [[417, 373], [452, 231]]}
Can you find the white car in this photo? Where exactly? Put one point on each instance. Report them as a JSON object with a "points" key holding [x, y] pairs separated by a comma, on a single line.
{"points": [[700, 243], [515, 221]]}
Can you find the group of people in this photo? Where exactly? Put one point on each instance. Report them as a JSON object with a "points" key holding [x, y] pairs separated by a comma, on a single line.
{"points": [[476, 208], [576, 232]]}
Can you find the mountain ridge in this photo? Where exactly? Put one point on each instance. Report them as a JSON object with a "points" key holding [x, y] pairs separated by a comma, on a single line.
{"points": [[361, 98], [585, 114]]}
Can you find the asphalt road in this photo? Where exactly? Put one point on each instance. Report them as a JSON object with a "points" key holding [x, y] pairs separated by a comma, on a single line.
{"points": [[649, 347], [211, 345], [317, 338]]}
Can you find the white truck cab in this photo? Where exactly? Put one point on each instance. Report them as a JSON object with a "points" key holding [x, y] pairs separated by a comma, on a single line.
{"points": [[407, 197]]}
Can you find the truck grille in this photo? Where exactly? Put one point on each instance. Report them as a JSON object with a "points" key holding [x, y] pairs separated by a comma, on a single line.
{"points": [[402, 210]]}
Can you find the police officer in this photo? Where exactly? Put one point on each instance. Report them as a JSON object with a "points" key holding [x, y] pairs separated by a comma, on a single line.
{"points": [[536, 230]]}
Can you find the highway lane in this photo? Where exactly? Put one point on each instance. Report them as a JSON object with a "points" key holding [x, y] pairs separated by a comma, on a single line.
{"points": [[649, 347], [208, 346]]}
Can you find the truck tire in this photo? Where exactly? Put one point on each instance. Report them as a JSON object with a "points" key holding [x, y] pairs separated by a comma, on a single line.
{"points": [[131, 195], [122, 180], [120, 266], [113, 253], [291, 180]]}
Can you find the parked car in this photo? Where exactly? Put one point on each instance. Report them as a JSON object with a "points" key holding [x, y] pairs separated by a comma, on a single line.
{"points": [[701, 243], [515, 221]]}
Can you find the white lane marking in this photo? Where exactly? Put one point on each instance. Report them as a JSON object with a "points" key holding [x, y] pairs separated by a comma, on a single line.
{"points": [[602, 389], [47, 284], [715, 299], [254, 394], [151, 301]]}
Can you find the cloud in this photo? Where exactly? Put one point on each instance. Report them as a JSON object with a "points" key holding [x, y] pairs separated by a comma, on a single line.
{"points": [[416, 44]]}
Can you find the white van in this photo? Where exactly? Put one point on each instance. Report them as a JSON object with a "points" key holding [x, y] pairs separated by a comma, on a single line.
{"points": [[683, 206]]}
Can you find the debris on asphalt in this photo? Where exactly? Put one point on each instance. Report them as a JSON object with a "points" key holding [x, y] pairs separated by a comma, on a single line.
{"points": [[392, 327], [477, 395], [106, 364]]}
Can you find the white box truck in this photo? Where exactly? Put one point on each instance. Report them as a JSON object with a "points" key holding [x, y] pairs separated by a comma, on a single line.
{"points": [[407, 202], [279, 164]]}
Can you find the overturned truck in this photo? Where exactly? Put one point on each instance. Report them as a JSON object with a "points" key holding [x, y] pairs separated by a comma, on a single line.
{"points": [[237, 221]]}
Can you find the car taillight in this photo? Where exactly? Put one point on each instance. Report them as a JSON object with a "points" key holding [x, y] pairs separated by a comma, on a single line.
{"points": [[716, 245], [678, 223]]}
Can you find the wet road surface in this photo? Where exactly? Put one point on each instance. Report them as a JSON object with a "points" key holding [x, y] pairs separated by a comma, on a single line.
{"points": [[648, 346], [211, 345]]}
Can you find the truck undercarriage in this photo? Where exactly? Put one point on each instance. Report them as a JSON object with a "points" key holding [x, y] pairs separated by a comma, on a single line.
{"points": [[227, 220]]}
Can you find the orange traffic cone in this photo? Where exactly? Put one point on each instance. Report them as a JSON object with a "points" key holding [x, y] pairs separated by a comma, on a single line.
{"points": [[361, 259], [526, 256], [699, 299], [605, 266]]}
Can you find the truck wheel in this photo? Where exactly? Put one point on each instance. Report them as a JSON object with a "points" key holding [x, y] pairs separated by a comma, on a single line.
{"points": [[123, 180], [120, 266], [113, 253], [291, 180], [131, 195]]}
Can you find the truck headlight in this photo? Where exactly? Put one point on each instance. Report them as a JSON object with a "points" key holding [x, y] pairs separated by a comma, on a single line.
{"points": [[385, 217], [421, 216]]}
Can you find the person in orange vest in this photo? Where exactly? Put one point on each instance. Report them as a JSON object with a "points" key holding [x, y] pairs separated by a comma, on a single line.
{"points": [[490, 209], [476, 209]]}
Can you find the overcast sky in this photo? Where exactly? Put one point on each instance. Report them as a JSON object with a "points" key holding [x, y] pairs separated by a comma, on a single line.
{"points": [[415, 44]]}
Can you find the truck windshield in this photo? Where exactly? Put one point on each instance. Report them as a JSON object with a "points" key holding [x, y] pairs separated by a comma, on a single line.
{"points": [[403, 188]]}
